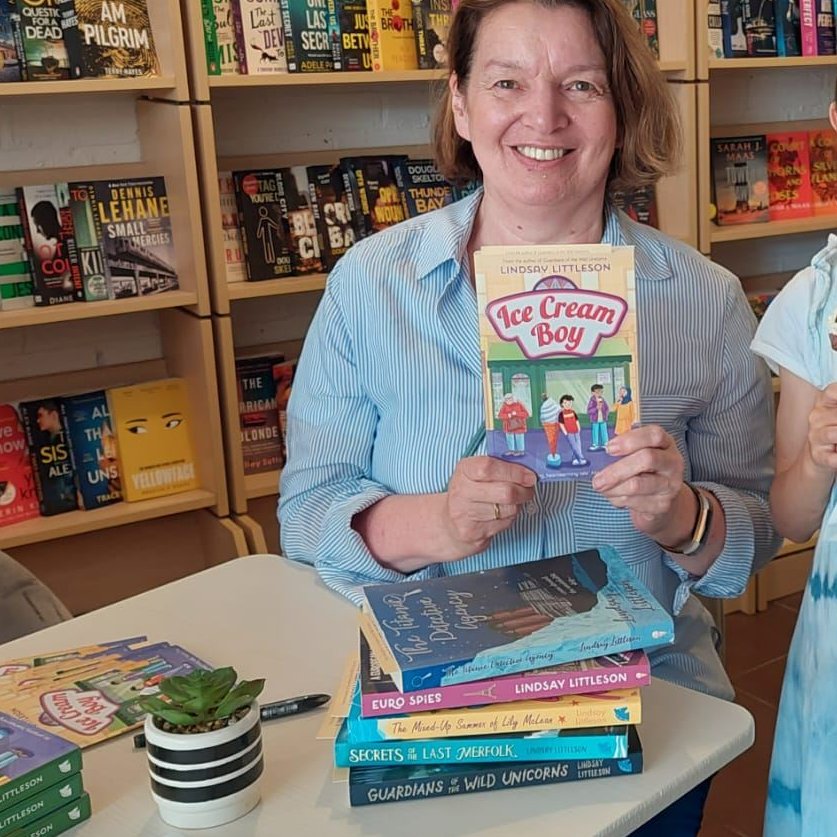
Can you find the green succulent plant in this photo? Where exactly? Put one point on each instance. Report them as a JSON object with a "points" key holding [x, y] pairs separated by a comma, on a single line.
{"points": [[201, 699]]}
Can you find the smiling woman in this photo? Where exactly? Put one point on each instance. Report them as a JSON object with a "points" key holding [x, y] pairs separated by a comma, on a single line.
{"points": [[551, 104]]}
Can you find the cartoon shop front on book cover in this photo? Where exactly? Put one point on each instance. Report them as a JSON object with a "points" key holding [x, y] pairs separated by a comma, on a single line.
{"points": [[558, 342]]}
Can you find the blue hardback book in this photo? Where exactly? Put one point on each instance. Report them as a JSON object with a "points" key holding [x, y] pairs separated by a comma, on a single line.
{"points": [[373, 785], [460, 628]]}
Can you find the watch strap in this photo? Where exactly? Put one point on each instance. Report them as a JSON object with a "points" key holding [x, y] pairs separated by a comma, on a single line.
{"points": [[700, 531]]}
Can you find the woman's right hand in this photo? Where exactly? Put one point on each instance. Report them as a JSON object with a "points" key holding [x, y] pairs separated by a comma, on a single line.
{"points": [[484, 497], [822, 429]]}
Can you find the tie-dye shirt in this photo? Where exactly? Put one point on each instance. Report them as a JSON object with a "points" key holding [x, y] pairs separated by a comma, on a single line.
{"points": [[795, 335]]}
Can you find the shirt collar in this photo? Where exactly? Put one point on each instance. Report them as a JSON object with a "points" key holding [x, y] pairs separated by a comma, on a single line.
{"points": [[446, 239]]}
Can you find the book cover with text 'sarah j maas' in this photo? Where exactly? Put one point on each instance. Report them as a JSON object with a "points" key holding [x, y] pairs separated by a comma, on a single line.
{"points": [[558, 347], [460, 628]]}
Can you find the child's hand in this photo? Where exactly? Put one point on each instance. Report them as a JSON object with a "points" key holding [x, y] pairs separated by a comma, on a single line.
{"points": [[822, 429]]}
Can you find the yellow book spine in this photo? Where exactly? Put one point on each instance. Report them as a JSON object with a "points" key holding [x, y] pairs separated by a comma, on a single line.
{"points": [[615, 708], [391, 39]]}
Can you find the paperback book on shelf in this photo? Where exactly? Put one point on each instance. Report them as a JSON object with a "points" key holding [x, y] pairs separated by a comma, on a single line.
{"points": [[354, 35], [375, 785], [380, 697], [789, 175], [461, 628], [42, 41], [260, 36], [559, 352], [739, 166], [18, 495], [258, 415]]}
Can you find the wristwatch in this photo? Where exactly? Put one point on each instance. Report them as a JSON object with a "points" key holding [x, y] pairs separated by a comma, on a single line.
{"points": [[700, 531]]}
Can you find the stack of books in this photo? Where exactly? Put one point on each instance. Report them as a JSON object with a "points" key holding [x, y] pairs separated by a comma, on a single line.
{"points": [[41, 789], [522, 675]]}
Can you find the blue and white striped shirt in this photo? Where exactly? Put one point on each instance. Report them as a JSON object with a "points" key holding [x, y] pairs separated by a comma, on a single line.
{"points": [[388, 394]]}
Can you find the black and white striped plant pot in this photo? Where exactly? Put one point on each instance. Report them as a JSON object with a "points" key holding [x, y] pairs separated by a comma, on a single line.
{"points": [[208, 778]]}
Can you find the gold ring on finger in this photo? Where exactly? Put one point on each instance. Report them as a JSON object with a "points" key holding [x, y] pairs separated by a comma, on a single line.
{"points": [[497, 514]]}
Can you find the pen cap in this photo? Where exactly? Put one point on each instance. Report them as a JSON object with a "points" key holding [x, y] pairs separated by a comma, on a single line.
{"points": [[205, 779]]}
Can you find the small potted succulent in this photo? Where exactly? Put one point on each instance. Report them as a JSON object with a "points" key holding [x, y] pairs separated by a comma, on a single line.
{"points": [[204, 745]]}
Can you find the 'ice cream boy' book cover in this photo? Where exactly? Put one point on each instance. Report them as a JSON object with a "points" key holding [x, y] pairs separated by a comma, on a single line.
{"points": [[558, 343]]}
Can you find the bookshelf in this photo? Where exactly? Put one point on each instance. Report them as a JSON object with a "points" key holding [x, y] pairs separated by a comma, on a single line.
{"points": [[119, 128]]}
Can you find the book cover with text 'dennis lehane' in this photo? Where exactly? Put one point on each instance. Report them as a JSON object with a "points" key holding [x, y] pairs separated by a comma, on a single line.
{"points": [[558, 342]]}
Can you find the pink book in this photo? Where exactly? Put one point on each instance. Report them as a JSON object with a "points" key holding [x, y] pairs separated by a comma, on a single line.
{"points": [[808, 26], [380, 697]]}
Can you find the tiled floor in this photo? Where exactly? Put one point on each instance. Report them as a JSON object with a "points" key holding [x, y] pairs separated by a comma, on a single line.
{"points": [[757, 648]]}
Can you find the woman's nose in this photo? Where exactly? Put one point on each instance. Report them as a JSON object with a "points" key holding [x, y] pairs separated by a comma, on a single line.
{"points": [[547, 109]]}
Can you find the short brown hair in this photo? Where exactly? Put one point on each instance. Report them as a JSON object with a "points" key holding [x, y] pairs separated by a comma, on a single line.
{"points": [[647, 118]]}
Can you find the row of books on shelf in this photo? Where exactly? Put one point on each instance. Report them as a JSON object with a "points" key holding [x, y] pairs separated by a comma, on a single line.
{"points": [[72, 39], [255, 37], [301, 219], [89, 450], [774, 177], [85, 242], [764, 28], [497, 687], [264, 388]]}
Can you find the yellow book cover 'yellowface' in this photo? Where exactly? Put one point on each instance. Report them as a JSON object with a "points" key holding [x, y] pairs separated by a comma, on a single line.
{"points": [[153, 429]]}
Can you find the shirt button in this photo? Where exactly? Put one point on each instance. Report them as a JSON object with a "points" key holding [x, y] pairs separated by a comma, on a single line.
{"points": [[531, 507]]}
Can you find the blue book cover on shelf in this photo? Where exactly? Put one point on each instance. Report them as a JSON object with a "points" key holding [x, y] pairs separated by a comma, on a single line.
{"points": [[93, 448], [460, 628]]}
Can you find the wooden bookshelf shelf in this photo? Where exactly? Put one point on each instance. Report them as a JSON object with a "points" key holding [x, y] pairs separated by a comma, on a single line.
{"points": [[145, 84], [673, 66], [325, 79], [261, 485], [277, 287], [41, 529], [89, 310], [743, 232], [772, 63]]}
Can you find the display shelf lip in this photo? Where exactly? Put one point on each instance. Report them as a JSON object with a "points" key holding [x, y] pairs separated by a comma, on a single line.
{"points": [[673, 65], [261, 485], [772, 62], [312, 79], [18, 318], [40, 529], [768, 229], [140, 84], [277, 287]]}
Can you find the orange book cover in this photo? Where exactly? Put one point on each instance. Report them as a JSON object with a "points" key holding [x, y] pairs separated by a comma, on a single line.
{"points": [[789, 175], [18, 495], [822, 147], [153, 432]]}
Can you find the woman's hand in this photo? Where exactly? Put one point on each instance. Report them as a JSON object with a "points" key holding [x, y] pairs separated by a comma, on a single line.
{"points": [[483, 498], [822, 429], [648, 481]]}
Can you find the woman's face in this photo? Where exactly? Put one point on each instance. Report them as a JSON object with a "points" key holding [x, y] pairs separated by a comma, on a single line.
{"points": [[537, 109]]}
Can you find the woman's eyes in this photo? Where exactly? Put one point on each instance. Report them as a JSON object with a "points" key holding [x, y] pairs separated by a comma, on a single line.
{"points": [[584, 88], [505, 84]]}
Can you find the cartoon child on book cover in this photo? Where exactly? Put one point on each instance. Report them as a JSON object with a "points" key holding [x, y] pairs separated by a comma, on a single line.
{"points": [[557, 327]]}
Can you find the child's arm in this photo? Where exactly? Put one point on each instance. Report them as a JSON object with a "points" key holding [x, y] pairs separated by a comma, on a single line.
{"points": [[806, 457]]}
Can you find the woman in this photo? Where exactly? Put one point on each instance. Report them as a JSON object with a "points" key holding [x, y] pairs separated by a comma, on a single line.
{"points": [[797, 338], [625, 412], [550, 104]]}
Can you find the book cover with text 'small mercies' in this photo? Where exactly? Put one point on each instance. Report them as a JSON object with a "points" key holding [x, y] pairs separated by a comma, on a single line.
{"points": [[559, 353], [374, 785], [108, 38], [42, 39], [822, 149], [135, 229], [31, 760], [48, 233], [461, 628], [379, 696], [741, 191], [153, 424], [92, 448], [303, 215], [261, 438], [263, 215], [49, 453], [18, 495], [789, 175]]}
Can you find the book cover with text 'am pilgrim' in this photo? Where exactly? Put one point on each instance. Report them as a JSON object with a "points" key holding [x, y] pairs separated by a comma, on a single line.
{"points": [[461, 628], [558, 343]]}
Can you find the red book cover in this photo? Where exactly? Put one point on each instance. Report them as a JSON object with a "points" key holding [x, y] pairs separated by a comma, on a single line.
{"points": [[823, 156], [18, 496], [789, 175]]}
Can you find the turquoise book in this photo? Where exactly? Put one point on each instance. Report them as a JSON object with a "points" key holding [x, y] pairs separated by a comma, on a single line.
{"points": [[460, 628]]}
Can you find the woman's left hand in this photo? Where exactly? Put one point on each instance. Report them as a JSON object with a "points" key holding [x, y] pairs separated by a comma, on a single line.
{"points": [[648, 481]]}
